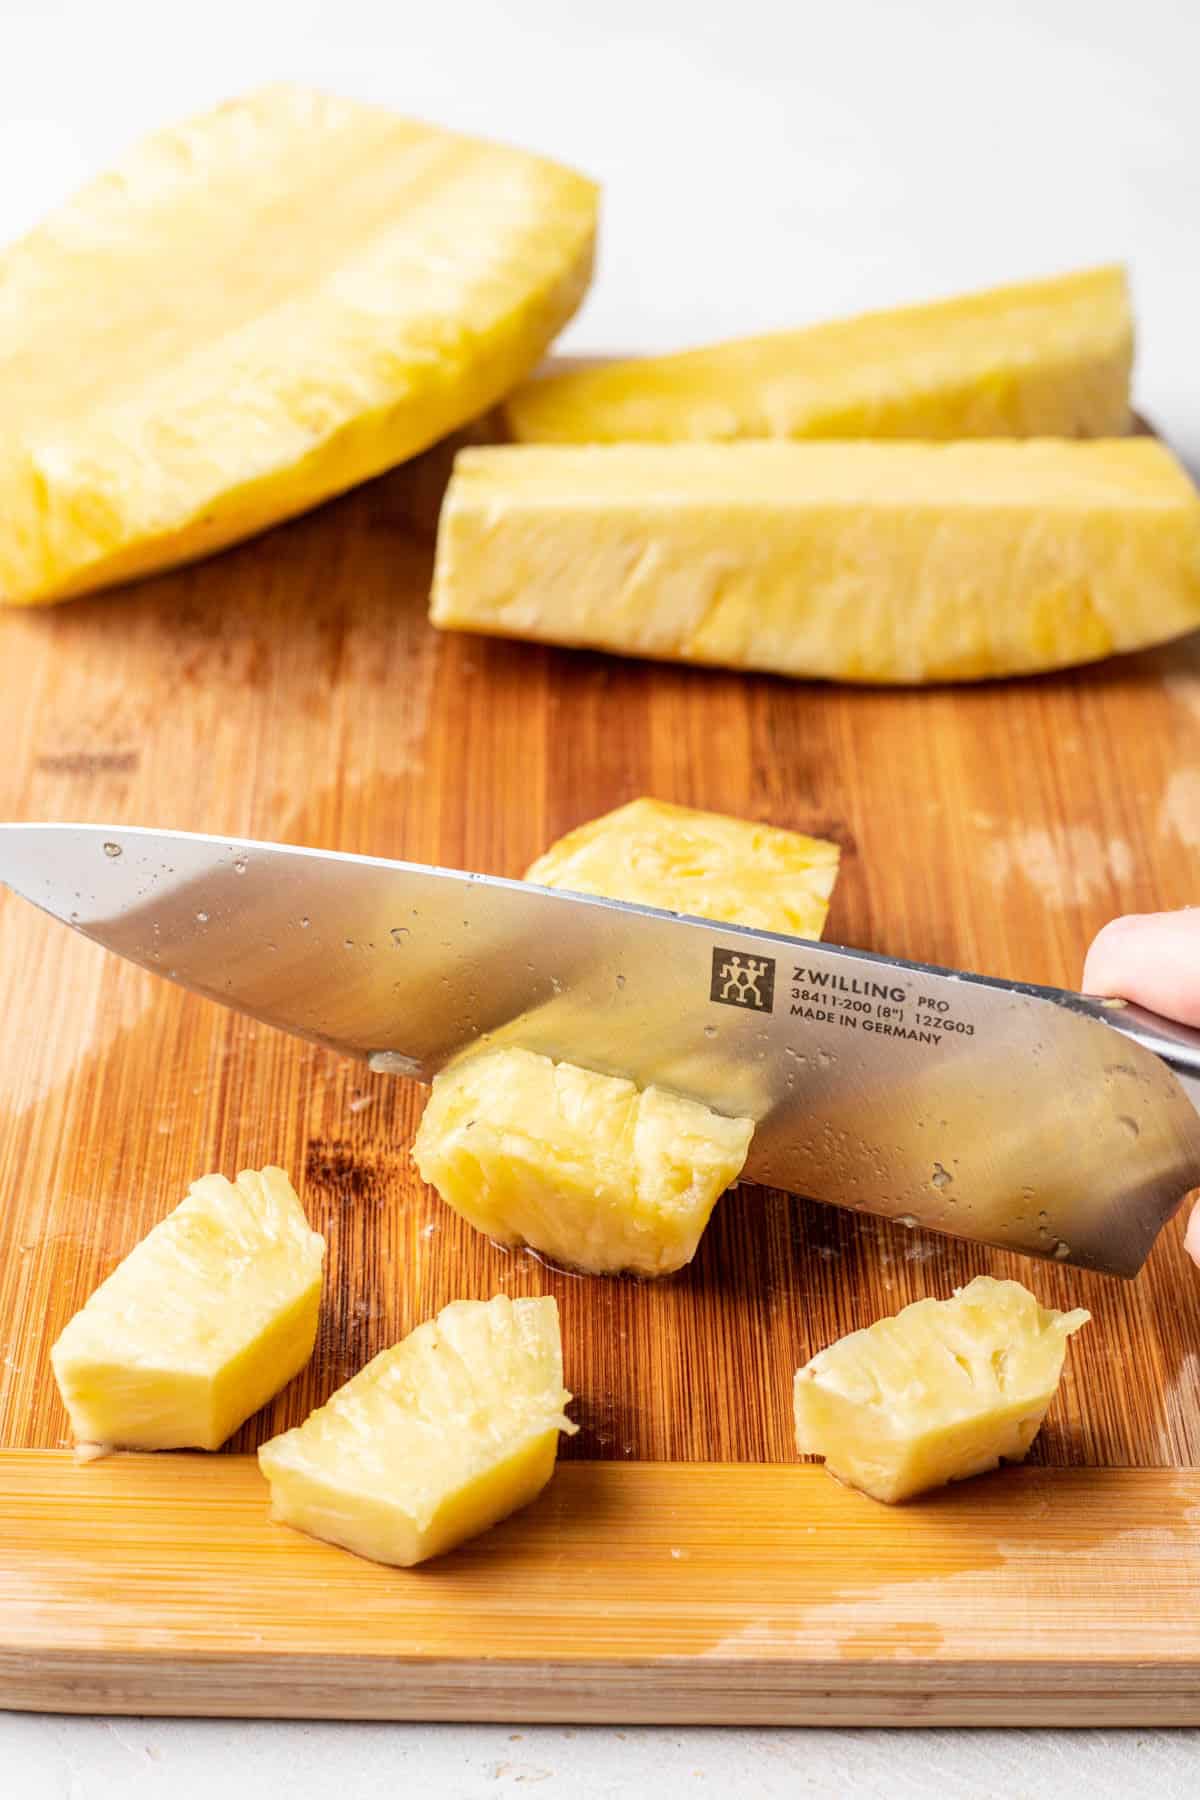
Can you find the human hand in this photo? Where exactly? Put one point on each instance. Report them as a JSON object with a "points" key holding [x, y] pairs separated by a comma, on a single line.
{"points": [[1154, 960]]}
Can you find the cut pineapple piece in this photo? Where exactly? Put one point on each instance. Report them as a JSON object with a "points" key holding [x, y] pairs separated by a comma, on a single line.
{"points": [[257, 309], [855, 562], [1043, 359], [201, 1324], [946, 1389], [585, 1168], [699, 863], [436, 1439]]}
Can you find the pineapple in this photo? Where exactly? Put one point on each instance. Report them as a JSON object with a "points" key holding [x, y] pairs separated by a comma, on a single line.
{"points": [[699, 863], [255, 310], [946, 1389], [1043, 359], [436, 1439], [201, 1324], [587, 1169], [583, 1167], [868, 562]]}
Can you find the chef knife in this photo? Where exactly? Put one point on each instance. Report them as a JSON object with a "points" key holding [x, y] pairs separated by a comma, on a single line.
{"points": [[1029, 1118]]}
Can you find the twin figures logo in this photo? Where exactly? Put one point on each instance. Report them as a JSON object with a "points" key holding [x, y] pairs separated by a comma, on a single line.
{"points": [[741, 980]]}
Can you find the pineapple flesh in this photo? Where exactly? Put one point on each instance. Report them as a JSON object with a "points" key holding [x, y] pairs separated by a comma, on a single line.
{"points": [[434, 1440], [868, 562], [587, 1169], [207, 1318], [945, 1390], [257, 309], [703, 864], [1040, 359]]}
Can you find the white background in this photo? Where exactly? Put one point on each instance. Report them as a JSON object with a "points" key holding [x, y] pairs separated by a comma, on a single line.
{"points": [[763, 164]]}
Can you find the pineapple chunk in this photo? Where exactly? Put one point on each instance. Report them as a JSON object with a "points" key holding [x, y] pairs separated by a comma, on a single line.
{"points": [[583, 1167], [854, 562], [699, 863], [946, 1389], [202, 1323], [1042, 359], [257, 309], [436, 1439]]}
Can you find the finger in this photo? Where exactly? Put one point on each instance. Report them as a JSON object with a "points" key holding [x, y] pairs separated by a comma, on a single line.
{"points": [[1191, 1241], [1151, 958]]}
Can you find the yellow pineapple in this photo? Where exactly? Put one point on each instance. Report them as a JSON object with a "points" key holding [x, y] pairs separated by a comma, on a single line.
{"points": [[1041, 359], [946, 1389], [257, 309], [202, 1323], [869, 562], [586, 1168], [436, 1439], [700, 863]]}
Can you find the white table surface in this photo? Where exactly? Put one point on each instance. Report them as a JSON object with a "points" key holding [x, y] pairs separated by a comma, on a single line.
{"points": [[765, 162]]}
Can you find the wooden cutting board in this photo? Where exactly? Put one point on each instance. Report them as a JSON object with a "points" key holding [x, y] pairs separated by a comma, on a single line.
{"points": [[681, 1566]]}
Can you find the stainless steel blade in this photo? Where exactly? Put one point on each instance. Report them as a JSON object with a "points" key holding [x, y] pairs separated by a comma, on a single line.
{"points": [[1026, 1118]]}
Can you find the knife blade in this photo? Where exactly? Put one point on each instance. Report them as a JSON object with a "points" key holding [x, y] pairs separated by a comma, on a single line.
{"points": [[1032, 1119]]}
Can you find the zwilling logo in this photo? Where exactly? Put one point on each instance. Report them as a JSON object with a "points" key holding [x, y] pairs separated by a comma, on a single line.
{"points": [[739, 980]]}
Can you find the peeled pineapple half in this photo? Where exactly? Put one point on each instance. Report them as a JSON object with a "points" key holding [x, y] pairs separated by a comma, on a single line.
{"points": [[946, 1389], [700, 863], [435, 1440], [870, 562], [255, 310], [211, 1314], [1039, 359], [590, 1170]]}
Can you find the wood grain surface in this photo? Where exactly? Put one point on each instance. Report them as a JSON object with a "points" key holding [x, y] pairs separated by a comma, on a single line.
{"points": [[678, 1592], [292, 689]]}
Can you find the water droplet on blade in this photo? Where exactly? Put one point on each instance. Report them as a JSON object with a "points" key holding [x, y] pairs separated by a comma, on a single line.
{"points": [[941, 1178], [710, 1031], [112, 850], [1129, 1125], [304, 924], [202, 918], [398, 934], [620, 981], [239, 867]]}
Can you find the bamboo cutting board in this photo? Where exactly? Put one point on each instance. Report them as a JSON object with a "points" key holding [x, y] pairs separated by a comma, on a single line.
{"points": [[681, 1566]]}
